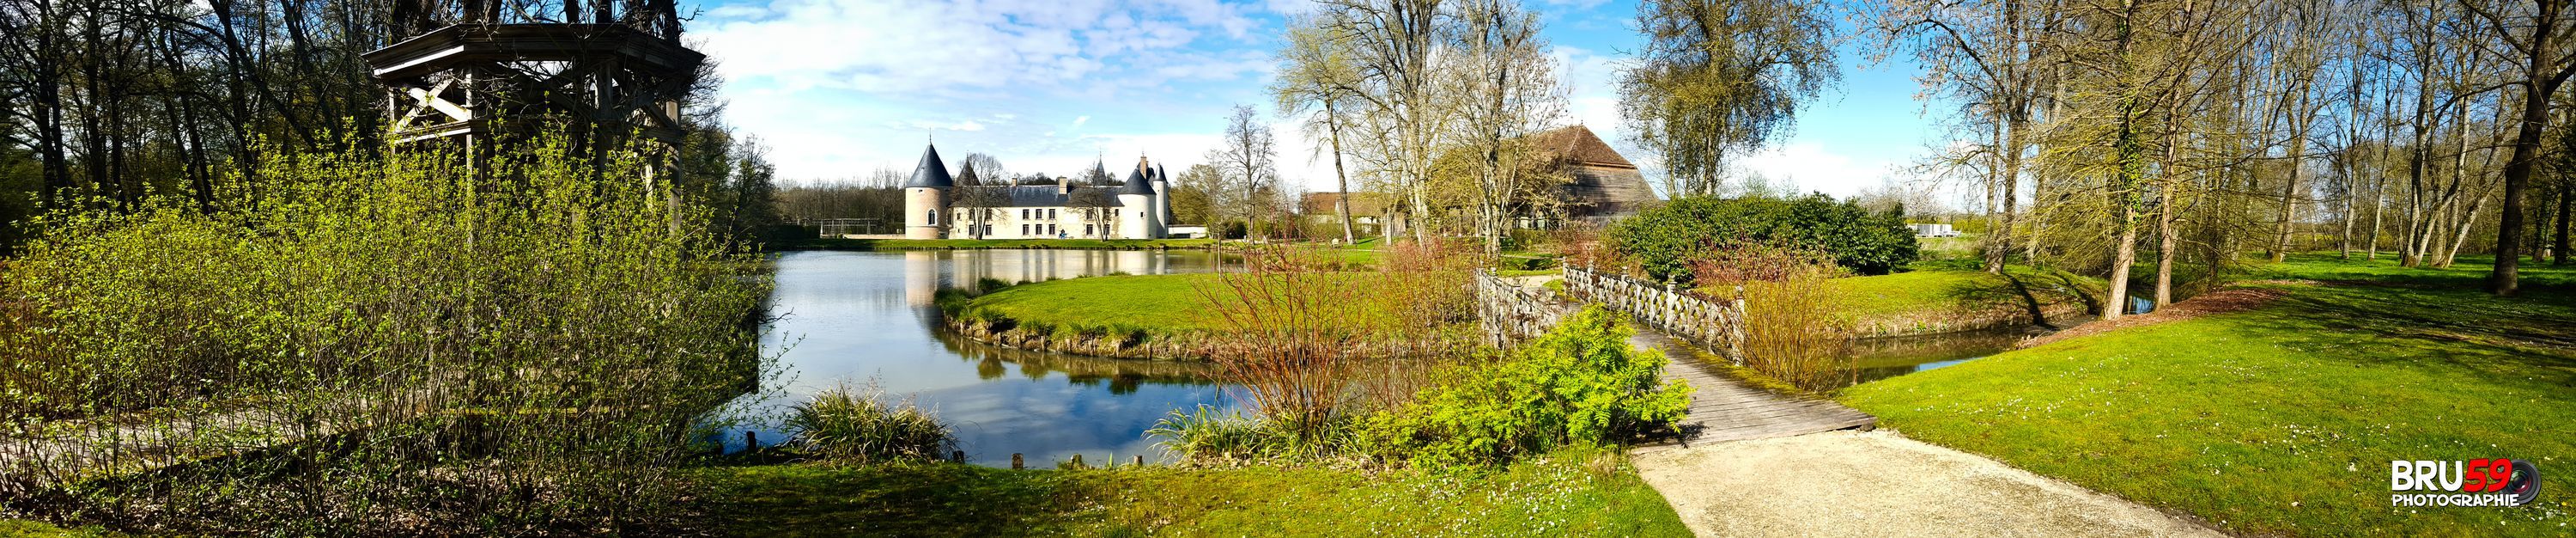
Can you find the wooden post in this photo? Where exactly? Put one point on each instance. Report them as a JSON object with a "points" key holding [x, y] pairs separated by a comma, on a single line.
{"points": [[1077, 461], [1140, 460], [1015, 462]]}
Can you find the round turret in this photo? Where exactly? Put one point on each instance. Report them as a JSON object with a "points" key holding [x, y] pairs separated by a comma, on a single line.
{"points": [[925, 198]]}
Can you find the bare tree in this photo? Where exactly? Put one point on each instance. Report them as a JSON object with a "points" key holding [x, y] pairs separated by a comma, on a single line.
{"points": [[1317, 79], [1508, 84], [1393, 44], [1248, 161]]}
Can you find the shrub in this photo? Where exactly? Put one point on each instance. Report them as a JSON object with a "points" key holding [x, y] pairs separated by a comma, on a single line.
{"points": [[1579, 384], [506, 351], [1291, 328], [1665, 240], [857, 424]]}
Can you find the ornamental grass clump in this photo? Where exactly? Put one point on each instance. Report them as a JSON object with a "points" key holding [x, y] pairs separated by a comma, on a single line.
{"points": [[372, 344], [1205, 436], [1795, 329], [858, 424]]}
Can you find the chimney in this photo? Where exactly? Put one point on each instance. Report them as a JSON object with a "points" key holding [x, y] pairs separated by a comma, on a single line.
{"points": [[1064, 185]]}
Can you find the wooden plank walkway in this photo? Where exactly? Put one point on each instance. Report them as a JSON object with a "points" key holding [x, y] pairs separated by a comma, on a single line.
{"points": [[1723, 408]]}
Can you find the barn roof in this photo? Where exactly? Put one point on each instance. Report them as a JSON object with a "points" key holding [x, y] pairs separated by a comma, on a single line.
{"points": [[1578, 144]]}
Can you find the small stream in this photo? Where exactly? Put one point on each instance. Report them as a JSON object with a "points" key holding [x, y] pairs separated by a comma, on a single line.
{"points": [[1882, 358]]}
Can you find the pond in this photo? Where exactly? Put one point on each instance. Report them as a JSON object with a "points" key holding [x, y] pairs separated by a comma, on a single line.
{"points": [[857, 317]]}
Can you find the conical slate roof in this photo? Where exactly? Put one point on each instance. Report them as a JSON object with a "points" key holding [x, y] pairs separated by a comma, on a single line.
{"points": [[966, 174], [931, 173], [1136, 184]]}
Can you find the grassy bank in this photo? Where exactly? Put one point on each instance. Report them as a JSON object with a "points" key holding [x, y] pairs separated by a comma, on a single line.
{"points": [[2281, 419], [1939, 297], [1136, 316], [1564, 494], [835, 243], [1160, 304], [1953, 296]]}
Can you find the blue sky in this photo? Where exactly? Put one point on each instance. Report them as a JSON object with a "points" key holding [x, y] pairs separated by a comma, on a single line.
{"points": [[838, 88]]}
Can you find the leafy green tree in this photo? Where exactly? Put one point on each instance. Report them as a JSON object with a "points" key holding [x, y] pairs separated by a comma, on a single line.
{"points": [[1717, 78]]}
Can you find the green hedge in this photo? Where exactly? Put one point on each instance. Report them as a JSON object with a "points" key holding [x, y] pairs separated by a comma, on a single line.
{"points": [[1665, 240]]}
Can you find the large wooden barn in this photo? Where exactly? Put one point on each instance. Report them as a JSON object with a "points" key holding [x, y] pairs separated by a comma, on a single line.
{"points": [[1603, 186]]}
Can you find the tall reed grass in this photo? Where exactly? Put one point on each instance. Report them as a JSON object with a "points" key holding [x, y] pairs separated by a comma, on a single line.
{"points": [[1794, 326], [857, 423]]}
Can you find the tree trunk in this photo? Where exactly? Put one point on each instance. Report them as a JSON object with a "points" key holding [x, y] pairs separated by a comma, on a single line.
{"points": [[2465, 223], [1342, 180], [2538, 86], [2124, 251], [2566, 197], [2298, 173]]}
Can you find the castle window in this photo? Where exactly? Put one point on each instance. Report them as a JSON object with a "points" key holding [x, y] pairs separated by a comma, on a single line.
{"points": [[1024, 229], [1050, 213], [1086, 229], [934, 217]]}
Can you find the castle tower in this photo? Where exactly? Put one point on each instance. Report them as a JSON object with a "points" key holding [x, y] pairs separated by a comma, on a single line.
{"points": [[1162, 201], [925, 198], [1138, 217]]}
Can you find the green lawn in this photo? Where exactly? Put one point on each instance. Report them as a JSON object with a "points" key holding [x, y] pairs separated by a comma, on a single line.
{"points": [[1156, 303], [2282, 420], [1563, 494], [942, 244]]}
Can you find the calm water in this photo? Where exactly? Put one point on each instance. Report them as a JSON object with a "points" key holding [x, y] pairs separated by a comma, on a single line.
{"points": [[856, 316], [1882, 358]]}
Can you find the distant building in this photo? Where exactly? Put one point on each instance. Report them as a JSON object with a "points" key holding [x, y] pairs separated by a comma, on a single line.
{"points": [[1603, 186], [938, 206], [1933, 230], [1368, 211]]}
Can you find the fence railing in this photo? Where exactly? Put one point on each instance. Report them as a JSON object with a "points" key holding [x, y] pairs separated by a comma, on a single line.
{"points": [[1713, 323], [1509, 312]]}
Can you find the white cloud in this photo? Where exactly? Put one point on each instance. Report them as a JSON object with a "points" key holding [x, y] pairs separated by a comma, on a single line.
{"points": [[876, 45], [841, 86], [965, 126], [1805, 166]]}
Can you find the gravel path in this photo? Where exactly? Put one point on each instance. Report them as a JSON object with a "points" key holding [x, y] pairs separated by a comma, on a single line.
{"points": [[1847, 483]]}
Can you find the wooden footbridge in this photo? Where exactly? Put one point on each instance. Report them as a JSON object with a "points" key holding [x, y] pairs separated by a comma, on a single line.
{"points": [[1726, 409], [1722, 408]]}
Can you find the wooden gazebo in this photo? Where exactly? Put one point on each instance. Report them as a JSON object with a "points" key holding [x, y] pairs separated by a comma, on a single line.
{"points": [[477, 73]]}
